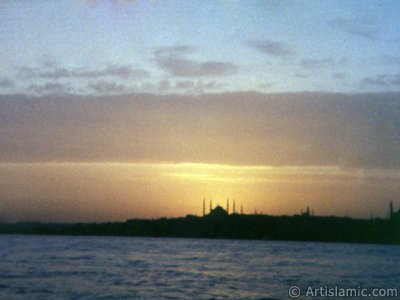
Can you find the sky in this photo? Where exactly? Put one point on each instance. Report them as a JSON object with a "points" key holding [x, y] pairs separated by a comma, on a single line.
{"points": [[111, 110]]}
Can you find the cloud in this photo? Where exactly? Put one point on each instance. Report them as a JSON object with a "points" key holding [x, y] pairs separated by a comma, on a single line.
{"points": [[197, 87], [173, 51], [106, 87], [390, 60], [118, 71], [189, 68], [297, 129], [49, 88], [301, 75], [270, 47], [6, 82], [361, 28], [173, 60], [163, 86], [187, 84], [382, 80], [312, 64], [266, 85], [339, 75], [213, 85]]}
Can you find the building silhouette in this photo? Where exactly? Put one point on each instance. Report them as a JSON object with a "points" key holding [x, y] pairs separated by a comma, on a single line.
{"points": [[307, 212], [218, 213], [227, 210]]}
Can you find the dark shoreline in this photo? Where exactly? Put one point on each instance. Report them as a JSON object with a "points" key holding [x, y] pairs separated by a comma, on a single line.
{"points": [[234, 226]]}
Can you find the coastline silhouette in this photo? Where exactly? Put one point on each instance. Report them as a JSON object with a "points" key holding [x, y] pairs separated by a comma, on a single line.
{"points": [[218, 223]]}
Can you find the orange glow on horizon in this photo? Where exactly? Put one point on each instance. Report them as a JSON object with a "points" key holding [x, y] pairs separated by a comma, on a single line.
{"points": [[103, 191]]}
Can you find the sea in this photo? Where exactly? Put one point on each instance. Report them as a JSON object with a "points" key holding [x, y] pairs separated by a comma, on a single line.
{"points": [[97, 267]]}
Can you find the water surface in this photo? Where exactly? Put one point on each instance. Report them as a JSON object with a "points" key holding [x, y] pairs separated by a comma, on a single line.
{"points": [[66, 267]]}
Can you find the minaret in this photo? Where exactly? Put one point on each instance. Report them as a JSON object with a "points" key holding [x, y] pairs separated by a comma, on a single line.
{"points": [[391, 210], [227, 206], [241, 209], [234, 209], [210, 205], [204, 207]]}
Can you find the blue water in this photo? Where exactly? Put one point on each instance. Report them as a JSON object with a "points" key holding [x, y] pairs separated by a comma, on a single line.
{"points": [[63, 267]]}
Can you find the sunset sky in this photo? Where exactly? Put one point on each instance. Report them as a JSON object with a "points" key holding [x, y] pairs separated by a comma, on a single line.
{"points": [[111, 110]]}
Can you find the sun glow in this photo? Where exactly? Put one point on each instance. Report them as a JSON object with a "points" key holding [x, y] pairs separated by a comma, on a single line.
{"points": [[103, 191]]}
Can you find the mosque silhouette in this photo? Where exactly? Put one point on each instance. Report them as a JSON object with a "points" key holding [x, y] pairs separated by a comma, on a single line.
{"points": [[229, 224]]}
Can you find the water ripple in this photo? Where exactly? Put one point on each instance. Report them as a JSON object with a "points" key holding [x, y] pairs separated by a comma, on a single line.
{"points": [[44, 267]]}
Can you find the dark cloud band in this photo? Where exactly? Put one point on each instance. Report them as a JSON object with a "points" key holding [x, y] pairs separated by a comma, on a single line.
{"points": [[300, 129]]}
